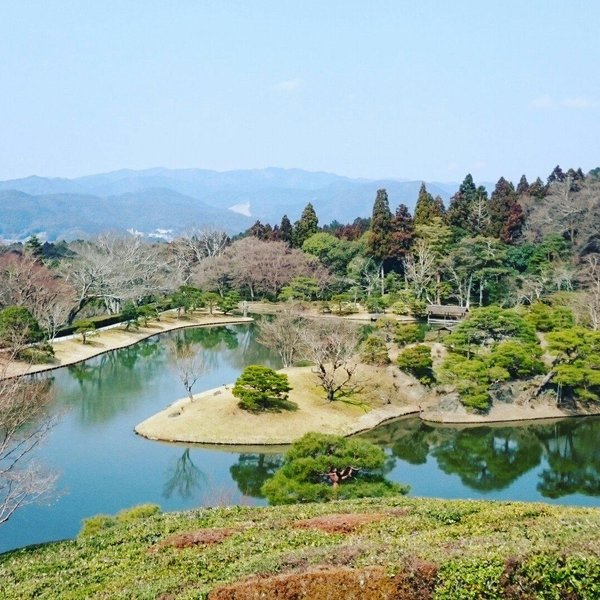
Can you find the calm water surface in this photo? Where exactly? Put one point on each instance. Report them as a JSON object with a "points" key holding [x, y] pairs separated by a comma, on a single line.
{"points": [[105, 467]]}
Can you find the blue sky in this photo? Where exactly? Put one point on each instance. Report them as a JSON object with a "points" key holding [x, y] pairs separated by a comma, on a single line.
{"points": [[419, 90]]}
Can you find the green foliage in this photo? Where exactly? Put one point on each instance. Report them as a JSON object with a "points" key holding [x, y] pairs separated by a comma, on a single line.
{"points": [[417, 361], [374, 351], [141, 511], [95, 525], [211, 301], [130, 314], [304, 474], [471, 379], [263, 389], [307, 225], [577, 364], [380, 237], [488, 325], [41, 353], [333, 252], [187, 298], [301, 288], [408, 333], [228, 302], [18, 326], [84, 327], [473, 549], [518, 358], [547, 318]]}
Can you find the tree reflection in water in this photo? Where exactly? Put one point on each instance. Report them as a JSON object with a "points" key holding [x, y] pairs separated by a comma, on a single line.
{"points": [[252, 470], [573, 455], [491, 458], [184, 478]]}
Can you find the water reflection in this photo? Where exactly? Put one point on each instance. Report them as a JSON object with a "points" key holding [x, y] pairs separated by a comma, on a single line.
{"points": [[492, 458], [252, 470], [184, 478]]}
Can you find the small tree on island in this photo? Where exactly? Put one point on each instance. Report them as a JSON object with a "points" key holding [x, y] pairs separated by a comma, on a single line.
{"points": [[263, 389], [331, 346], [320, 468]]}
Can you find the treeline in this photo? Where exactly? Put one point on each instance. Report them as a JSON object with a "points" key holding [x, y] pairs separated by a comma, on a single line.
{"points": [[516, 246]]}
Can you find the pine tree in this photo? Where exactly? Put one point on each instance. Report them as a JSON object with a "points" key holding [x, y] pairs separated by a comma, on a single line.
{"points": [[286, 231], [523, 187], [34, 247], [306, 226], [425, 208]]}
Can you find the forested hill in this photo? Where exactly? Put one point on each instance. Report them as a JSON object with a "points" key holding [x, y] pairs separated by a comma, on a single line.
{"points": [[165, 199]]}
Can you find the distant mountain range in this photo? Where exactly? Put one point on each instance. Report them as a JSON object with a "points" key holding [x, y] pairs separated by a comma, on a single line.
{"points": [[165, 202]]}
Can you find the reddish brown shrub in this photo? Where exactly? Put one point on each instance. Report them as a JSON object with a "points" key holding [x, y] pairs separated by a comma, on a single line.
{"points": [[202, 537]]}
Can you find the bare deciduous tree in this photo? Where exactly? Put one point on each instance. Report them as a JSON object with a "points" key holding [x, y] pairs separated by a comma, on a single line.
{"points": [[187, 363], [331, 345], [420, 268], [283, 335], [592, 294], [26, 282], [24, 423]]}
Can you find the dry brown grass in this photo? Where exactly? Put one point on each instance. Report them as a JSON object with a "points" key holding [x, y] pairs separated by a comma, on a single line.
{"points": [[215, 418], [339, 523], [201, 537], [415, 582]]}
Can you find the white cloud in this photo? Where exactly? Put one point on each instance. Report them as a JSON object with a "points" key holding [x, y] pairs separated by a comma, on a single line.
{"points": [[288, 86], [542, 102]]}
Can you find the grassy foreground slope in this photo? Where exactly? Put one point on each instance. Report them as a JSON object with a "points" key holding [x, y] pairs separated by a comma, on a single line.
{"points": [[389, 548]]}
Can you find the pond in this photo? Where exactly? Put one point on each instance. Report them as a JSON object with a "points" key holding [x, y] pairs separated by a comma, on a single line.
{"points": [[104, 467]]}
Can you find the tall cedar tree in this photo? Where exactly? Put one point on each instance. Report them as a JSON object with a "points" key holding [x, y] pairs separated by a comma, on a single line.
{"points": [[306, 226], [523, 187], [501, 206], [506, 213], [403, 231], [537, 189], [557, 175], [286, 231], [461, 206], [440, 209], [425, 208], [380, 240], [260, 231]]}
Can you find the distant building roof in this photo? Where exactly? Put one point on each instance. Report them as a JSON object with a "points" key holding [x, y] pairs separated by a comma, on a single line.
{"points": [[448, 310]]}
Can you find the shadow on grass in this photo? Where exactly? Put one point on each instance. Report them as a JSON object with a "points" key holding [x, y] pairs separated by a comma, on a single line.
{"points": [[274, 406]]}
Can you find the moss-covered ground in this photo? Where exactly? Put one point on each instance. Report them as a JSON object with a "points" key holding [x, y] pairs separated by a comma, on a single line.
{"points": [[391, 548]]}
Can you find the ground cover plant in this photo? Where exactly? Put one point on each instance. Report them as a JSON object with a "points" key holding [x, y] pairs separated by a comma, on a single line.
{"points": [[395, 547]]}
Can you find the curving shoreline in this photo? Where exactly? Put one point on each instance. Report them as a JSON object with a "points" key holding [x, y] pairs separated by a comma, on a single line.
{"points": [[70, 351]]}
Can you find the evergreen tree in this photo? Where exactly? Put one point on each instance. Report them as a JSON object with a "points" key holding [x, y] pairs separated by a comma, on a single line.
{"points": [[306, 226], [402, 234], [461, 204], [34, 247], [380, 239], [439, 208], [523, 187], [260, 231], [537, 189], [501, 202], [557, 175], [286, 231], [425, 208]]}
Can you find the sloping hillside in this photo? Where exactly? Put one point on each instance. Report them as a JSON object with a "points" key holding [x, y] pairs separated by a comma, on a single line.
{"points": [[393, 548]]}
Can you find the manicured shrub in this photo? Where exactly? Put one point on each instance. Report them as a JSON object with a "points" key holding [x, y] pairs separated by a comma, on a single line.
{"points": [[417, 361], [263, 389]]}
